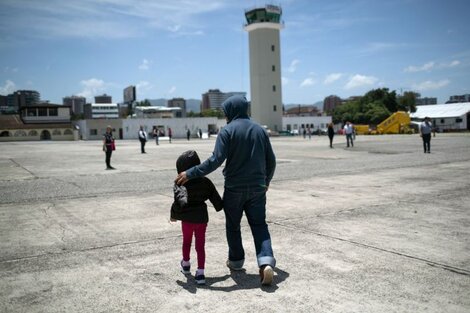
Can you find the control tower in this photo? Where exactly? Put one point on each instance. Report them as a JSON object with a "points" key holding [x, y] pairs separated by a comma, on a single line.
{"points": [[263, 27]]}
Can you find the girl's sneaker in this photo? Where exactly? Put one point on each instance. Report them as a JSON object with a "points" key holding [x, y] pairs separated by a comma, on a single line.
{"points": [[199, 277], [185, 269]]}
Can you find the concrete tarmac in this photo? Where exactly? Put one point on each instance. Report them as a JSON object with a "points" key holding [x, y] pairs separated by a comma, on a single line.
{"points": [[380, 227]]}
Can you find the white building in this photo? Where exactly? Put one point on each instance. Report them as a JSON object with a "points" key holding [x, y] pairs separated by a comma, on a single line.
{"points": [[157, 112], [450, 116], [263, 27], [179, 126], [101, 110], [297, 123]]}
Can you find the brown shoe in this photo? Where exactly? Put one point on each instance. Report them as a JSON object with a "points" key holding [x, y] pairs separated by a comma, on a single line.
{"points": [[266, 274]]}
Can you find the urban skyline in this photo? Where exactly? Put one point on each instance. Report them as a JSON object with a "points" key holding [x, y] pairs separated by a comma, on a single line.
{"points": [[174, 49]]}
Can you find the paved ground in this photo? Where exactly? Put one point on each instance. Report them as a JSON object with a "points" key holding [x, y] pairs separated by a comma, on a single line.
{"points": [[381, 227]]}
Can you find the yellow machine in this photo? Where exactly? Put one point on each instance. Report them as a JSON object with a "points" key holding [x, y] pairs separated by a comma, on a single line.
{"points": [[397, 123], [362, 129]]}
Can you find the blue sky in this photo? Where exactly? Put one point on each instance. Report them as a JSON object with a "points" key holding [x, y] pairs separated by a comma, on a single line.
{"points": [[179, 48]]}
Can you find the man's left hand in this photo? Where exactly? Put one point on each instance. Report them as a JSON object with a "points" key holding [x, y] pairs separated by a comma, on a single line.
{"points": [[181, 179]]}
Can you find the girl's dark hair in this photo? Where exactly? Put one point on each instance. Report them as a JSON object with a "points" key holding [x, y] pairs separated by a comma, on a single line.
{"points": [[187, 160]]}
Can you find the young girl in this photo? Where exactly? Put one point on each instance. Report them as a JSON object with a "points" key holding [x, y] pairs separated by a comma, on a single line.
{"points": [[108, 146], [190, 208]]}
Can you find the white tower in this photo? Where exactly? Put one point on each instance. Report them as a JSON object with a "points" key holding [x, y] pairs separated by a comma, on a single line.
{"points": [[263, 26]]}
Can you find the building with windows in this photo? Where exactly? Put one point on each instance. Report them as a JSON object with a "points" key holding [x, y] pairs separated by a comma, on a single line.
{"points": [[263, 27], [445, 117], [157, 112], [101, 110], [331, 102], [103, 99], [303, 110], [39, 122], [214, 98], [19, 99], [296, 124], [459, 98], [77, 104], [178, 103], [426, 101], [45, 113]]}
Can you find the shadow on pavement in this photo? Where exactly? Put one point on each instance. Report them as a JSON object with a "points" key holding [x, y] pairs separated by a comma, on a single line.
{"points": [[241, 279]]}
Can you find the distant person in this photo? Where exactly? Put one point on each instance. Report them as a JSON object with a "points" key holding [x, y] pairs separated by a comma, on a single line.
{"points": [[200, 133], [331, 133], [188, 134], [425, 129], [108, 146], [304, 132], [249, 168], [156, 135], [348, 131], [170, 134], [142, 139], [309, 132], [190, 208]]}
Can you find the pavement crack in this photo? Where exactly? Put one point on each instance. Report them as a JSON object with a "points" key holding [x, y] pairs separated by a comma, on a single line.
{"points": [[447, 267], [108, 246], [24, 168]]}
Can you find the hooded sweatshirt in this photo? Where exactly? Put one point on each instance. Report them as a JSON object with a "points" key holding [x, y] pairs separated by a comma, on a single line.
{"points": [[189, 199], [246, 147]]}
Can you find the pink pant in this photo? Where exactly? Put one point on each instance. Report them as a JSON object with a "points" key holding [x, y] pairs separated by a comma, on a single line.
{"points": [[199, 231]]}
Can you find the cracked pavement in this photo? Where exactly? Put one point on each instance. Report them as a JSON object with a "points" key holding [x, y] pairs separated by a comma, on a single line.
{"points": [[380, 227]]}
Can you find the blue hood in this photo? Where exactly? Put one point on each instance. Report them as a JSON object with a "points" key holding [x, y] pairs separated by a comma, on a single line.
{"points": [[235, 107]]}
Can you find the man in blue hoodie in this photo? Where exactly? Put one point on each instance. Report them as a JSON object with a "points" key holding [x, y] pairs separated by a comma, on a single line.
{"points": [[249, 168]]}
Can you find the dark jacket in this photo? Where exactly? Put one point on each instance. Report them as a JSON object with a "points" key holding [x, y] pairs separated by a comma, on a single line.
{"points": [[189, 199], [246, 147], [331, 131]]}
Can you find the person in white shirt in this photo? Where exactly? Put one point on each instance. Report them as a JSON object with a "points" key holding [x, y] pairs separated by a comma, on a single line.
{"points": [[348, 131], [425, 129], [142, 138]]}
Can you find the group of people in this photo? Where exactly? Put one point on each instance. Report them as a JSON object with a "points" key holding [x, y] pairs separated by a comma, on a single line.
{"points": [[249, 169]]}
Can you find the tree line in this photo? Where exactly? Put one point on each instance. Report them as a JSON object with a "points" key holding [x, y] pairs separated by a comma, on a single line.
{"points": [[374, 107]]}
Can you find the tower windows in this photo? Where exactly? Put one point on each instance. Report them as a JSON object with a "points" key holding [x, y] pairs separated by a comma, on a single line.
{"points": [[274, 108], [272, 48], [274, 88], [274, 68]]}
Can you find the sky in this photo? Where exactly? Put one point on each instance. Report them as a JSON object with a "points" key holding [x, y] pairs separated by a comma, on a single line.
{"points": [[183, 48]]}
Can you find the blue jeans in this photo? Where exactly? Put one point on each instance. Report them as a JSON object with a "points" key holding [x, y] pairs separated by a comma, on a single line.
{"points": [[252, 201]]}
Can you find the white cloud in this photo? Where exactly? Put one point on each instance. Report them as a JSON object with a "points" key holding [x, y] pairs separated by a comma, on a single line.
{"points": [[145, 65], [331, 78], [92, 87], [284, 81], [113, 19], [431, 85], [293, 66], [454, 63], [10, 70], [357, 81], [8, 88], [172, 90], [426, 67], [431, 65], [308, 82], [143, 86], [174, 29]]}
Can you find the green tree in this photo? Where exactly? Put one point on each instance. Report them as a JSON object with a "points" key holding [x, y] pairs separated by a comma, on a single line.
{"points": [[372, 108], [145, 103], [407, 102], [213, 113]]}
